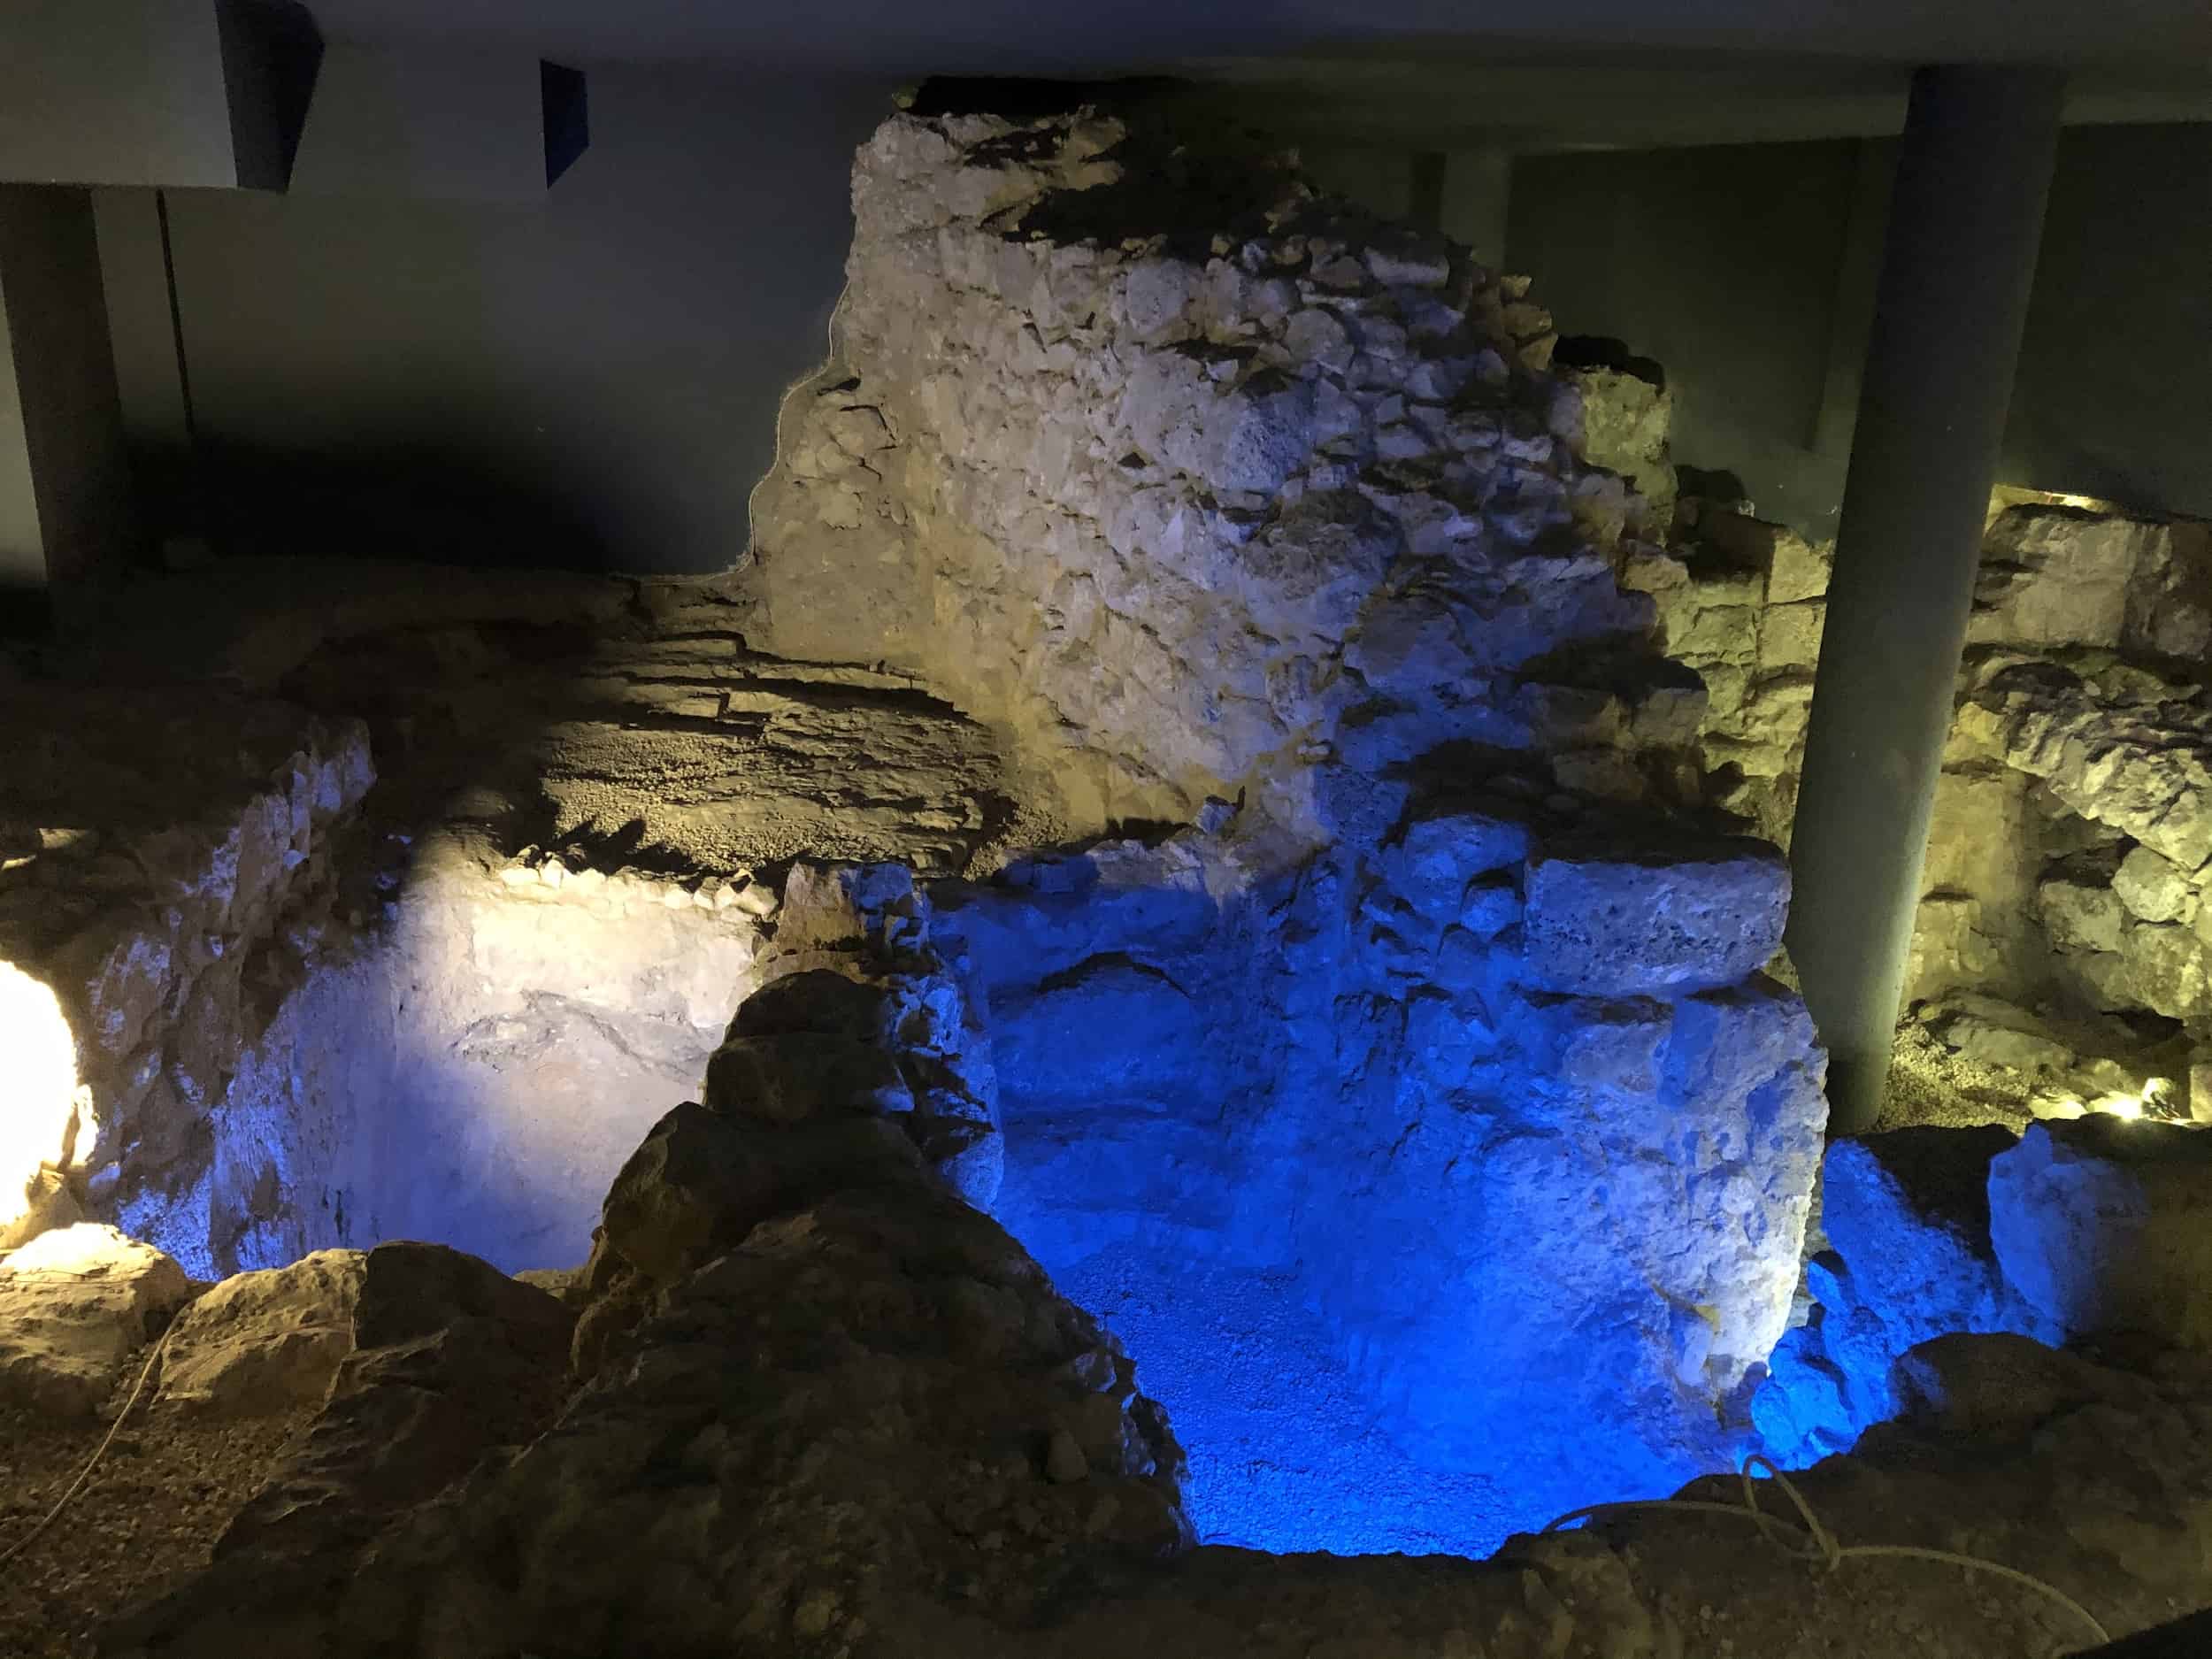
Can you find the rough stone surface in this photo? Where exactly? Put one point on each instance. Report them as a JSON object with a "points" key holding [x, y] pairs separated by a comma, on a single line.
{"points": [[265, 1341], [1195, 1067], [75, 1304], [2154, 888], [1610, 921], [1910, 1259], [922, 1451], [1185, 514], [176, 845], [1627, 421], [2106, 1227], [450, 1358]]}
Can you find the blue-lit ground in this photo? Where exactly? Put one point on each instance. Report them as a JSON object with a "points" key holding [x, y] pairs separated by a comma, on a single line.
{"points": [[1284, 1455]]}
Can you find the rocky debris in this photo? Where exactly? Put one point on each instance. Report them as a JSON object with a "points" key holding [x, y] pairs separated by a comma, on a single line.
{"points": [[1184, 513], [1909, 1258], [2009, 1453], [2065, 577], [450, 1359], [835, 1405], [2127, 755], [2029, 1063], [183, 865], [1606, 920], [167, 1485], [715, 1461], [264, 1341], [2102, 1226], [2084, 1229], [927, 1049], [76, 1305], [1627, 417], [2002, 1384], [452, 1364], [1358, 1080], [1742, 601]]}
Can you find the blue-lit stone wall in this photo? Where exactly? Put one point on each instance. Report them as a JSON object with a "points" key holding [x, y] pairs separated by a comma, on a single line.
{"points": [[1418, 1252]]}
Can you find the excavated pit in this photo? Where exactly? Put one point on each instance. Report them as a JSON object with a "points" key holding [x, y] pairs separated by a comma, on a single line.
{"points": [[1286, 763]]}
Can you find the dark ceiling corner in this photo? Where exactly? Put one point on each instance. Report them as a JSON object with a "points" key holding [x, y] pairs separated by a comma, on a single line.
{"points": [[567, 119], [271, 53]]}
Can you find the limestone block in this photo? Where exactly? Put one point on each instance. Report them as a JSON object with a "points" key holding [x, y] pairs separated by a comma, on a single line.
{"points": [[1908, 1212], [2154, 888], [2168, 969], [1614, 1045], [1978, 839], [1912, 1258], [1648, 571], [2054, 577], [75, 1304], [1625, 424], [1991, 1032], [2081, 915], [2105, 1226], [1726, 633], [2170, 601], [1950, 948], [265, 1341], [1606, 920], [1435, 862], [1797, 570], [1789, 635], [1668, 716]]}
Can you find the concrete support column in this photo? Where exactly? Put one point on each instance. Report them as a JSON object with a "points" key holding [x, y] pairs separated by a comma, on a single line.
{"points": [[66, 523], [1965, 219]]}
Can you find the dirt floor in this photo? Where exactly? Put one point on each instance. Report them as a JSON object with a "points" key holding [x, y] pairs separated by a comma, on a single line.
{"points": [[147, 1519]]}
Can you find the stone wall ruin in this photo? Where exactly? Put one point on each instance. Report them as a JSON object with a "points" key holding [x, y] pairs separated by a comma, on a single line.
{"points": [[1223, 502]]}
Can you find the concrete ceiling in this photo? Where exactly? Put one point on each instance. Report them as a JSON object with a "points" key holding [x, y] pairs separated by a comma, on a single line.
{"points": [[910, 38]]}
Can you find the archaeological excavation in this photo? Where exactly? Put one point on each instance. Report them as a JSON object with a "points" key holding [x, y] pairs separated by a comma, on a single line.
{"points": [[1175, 923]]}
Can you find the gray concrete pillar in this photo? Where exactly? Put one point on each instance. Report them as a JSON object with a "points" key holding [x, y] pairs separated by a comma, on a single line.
{"points": [[66, 523], [1965, 217]]}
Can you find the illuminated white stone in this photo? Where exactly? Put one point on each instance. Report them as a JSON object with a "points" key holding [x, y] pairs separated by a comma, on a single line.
{"points": [[38, 1086]]}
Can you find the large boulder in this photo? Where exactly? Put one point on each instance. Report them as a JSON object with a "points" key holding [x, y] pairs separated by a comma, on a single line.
{"points": [[703, 1179], [265, 1341], [2104, 1227], [450, 1358], [75, 1305]]}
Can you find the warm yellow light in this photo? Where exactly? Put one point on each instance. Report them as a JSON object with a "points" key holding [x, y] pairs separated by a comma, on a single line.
{"points": [[38, 1085], [2117, 1105]]}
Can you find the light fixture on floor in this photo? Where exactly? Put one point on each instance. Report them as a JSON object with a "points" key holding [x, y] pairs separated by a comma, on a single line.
{"points": [[38, 1086]]}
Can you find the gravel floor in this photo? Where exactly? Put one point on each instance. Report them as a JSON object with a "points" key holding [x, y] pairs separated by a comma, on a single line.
{"points": [[165, 1492]]}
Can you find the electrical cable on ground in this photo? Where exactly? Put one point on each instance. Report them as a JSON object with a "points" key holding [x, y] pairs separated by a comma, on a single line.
{"points": [[77, 1486], [1817, 1543]]}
